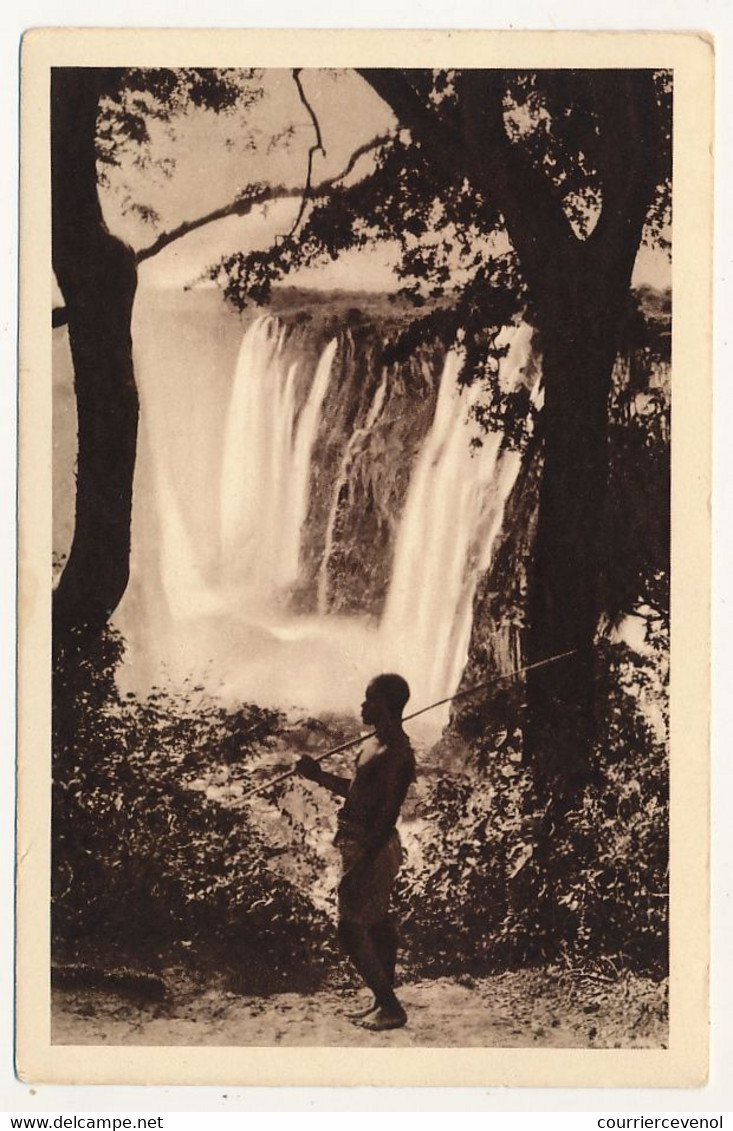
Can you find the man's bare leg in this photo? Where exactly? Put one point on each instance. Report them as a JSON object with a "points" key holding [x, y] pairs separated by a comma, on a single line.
{"points": [[360, 948], [384, 937]]}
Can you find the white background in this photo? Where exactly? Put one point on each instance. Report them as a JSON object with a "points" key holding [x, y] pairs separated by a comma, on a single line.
{"points": [[713, 16]]}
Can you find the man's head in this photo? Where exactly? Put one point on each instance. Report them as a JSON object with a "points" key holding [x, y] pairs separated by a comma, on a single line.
{"points": [[386, 696]]}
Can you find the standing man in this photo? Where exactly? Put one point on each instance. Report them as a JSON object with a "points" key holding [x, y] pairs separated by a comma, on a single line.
{"points": [[370, 845]]}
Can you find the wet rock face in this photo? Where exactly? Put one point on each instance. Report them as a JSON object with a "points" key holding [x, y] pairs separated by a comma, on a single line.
{"points": [[375, 417]]}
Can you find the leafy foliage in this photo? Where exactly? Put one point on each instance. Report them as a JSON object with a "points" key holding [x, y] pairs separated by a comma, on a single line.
{"points": [[135, 100], [560, 119], [146, 861], [132, 99], [453, 247], [151, 863], [496, 886], [635, 550]]}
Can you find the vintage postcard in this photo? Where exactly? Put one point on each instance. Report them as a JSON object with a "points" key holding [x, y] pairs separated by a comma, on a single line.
{"points": [[364, 558]]}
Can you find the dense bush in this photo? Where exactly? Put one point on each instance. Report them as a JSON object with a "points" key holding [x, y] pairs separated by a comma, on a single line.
{"points": [[500, 883], [146, 858], [155, 859]]}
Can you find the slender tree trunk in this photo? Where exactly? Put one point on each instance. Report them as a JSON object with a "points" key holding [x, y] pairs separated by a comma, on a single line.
{"points": [[97, 275]]}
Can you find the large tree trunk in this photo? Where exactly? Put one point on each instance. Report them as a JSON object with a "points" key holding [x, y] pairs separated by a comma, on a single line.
{"points": [[580, 297], [578, 332], [97, 275]]}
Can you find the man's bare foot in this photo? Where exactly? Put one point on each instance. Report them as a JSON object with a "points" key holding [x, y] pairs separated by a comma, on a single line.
{"points": [[384, 1019], [359, 1014]]}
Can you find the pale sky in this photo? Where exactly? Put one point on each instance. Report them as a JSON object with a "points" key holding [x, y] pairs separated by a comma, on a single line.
{"points": [[216, 156]]}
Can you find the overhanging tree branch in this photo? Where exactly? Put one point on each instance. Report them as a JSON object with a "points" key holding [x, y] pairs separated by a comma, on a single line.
{"points": [[316, 148], [243, 205]]}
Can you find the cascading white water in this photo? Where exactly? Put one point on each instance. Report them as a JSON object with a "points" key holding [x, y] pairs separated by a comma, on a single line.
{"points": [[187, 594], [222, 496], [266, 461], [452, 514]]}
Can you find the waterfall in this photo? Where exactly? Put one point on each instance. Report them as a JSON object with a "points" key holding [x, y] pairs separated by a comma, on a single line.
{"points": [[452, 515], [266, 460], [187, 594], [258, 466]]}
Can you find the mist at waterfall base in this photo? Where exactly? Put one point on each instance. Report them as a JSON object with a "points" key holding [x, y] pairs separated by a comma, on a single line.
{"points": [[266, 447]]}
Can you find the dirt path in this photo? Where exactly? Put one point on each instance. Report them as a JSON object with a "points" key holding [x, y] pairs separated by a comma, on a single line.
{"points": [[516, 1010]]}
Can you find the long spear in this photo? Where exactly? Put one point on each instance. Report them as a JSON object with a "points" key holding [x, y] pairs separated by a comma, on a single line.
{"points": [[266, 786]]}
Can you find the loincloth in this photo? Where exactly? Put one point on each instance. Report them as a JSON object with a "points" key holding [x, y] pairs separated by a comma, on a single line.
{"points": [[365, 889]]}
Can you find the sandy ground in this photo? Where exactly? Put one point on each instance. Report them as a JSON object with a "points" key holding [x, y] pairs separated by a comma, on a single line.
{"points": [[514, 1010]]}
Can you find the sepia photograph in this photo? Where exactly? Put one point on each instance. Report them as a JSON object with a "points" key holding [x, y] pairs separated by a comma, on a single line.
{"points": [[360, 388]]}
